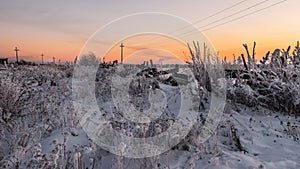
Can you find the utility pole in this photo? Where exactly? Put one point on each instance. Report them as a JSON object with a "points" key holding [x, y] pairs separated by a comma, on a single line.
{"points": [[122, 46], [42, 58], [17, 56]]}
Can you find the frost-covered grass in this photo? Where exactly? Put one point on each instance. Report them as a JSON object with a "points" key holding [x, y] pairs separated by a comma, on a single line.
{"points": [[259, 129]]}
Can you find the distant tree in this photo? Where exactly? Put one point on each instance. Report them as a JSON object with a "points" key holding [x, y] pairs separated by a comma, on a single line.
{"points": [[89, 59]]}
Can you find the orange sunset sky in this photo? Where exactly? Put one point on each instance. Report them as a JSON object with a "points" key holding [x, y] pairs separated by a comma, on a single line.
{"points": [[61, 28]]}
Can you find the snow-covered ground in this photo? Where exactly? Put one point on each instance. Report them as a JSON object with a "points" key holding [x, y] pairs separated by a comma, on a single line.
{"points": [[251, 137], [267, 144], [267, 140]]}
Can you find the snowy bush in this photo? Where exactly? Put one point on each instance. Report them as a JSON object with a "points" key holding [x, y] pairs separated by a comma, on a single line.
{"points": [[273, 84]]}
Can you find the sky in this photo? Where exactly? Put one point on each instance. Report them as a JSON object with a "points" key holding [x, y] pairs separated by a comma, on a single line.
{"points": [[60, 29]]}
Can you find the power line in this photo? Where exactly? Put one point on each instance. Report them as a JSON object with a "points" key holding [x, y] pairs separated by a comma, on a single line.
{"points": [[238, 12], [240, 17], [243, 16], [215, 14], [212, 15], [221, 11], [231, 15]]}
